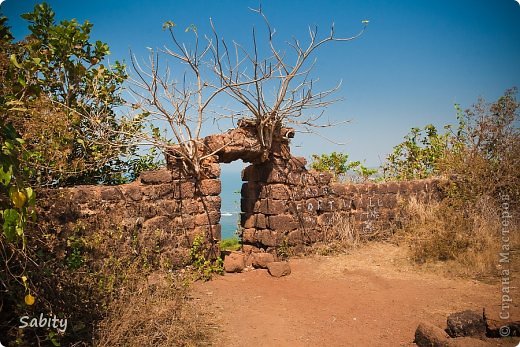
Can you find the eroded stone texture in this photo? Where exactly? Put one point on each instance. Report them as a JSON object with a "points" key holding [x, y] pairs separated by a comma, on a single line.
{"points": [[279, 268], [282, 203]]}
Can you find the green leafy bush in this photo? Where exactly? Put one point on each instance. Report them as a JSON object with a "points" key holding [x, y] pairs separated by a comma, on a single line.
{"points": [[61, 97], [200, 261], [231, 244], [481, 159], [338, 164], [418, 156]]}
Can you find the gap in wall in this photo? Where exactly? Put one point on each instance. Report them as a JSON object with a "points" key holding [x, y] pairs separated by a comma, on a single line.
{"points": [[231, 180]]}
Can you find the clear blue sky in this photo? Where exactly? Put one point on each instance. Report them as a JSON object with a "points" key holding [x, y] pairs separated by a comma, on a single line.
{"points": [[416, 59]]}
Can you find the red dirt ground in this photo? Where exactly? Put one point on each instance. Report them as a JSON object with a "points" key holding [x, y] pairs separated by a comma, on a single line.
{"points": [[371, 297]]}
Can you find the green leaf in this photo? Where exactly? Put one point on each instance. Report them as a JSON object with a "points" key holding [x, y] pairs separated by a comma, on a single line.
{"points": [[14, 61], [31, 197], [5, 176], [168, 24], [10, 226], [191, 27]]}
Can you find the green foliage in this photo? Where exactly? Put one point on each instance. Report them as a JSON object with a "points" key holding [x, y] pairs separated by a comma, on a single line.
{"points": [[481, 157], [339, 165], [16, 199], [231, 244], [283, 249], [204, 267], [482, 148], [59, 95], [365, 172], [417, 156], [144, 162], [75, 258]]}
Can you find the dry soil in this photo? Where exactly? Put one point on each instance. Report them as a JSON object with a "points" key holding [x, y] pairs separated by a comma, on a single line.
{"points": [[370, 297]]}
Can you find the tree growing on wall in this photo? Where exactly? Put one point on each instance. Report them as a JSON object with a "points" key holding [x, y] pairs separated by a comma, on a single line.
{"points": [[215, 69], [286, 75]]}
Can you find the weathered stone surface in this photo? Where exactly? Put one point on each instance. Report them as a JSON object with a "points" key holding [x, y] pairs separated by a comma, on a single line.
{"points": [[238, 143], [234, 262], [251, 190], [211, 170], [269, 206], [338, 189], [256, 220], [428, 335], [147, 210], [261, 260], [82, 195], [279, 268], [213, 231], [184, 222], [275, 191], [283, 222], [211, 217], [392, 187], [248, 220], [328, 205], [295, 237], [297, 163], [210, 187], [250, 174], [157, 223], [466, 323], [247, 205], [189, 206], [322, 178], [209, 203], [183, 189], [111, 193], [311, 206], [155, 192], [267, 237], [249, 236], [156, 177], [325, 219], [261, 221], [133, 192], [276, 175], [311, 192]]}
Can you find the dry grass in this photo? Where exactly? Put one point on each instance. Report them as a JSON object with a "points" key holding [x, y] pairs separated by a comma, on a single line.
{"points": [[160, 312], [340, 237], [466, 242]]}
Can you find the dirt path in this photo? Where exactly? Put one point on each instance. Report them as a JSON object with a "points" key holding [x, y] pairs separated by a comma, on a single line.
{"points": [[368, 298]]}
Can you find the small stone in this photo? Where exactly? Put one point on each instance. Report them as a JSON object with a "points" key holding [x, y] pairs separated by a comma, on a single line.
{"points": [[261, 260], [279, 268], [466, 323], [156, 177], [428, 335], [234, 262]]}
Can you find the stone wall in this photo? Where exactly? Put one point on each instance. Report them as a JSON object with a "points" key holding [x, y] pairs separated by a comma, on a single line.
{"points": [[162, 211], [282, 202], [285, 204]]}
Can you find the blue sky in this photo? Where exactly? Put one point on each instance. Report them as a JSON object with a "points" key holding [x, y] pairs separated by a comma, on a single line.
{"points": [[416, 59]]}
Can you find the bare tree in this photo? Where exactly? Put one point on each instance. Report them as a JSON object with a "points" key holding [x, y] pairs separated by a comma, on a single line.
{"points": [[213, 69], [290, 82]]}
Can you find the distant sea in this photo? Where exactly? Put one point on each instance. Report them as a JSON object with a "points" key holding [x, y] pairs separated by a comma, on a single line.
{"points": [[230, 211]]}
